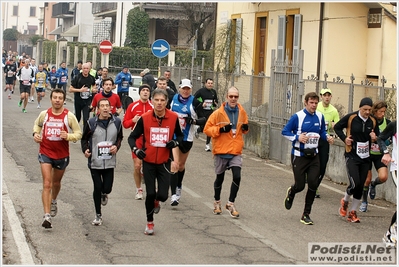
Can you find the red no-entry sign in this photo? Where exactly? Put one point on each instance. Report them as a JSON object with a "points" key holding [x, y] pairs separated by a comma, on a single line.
{"points": [[105, 47]]}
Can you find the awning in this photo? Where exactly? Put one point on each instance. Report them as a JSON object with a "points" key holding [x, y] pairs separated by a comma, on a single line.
{"points": [[71, 32], [56, 31]]}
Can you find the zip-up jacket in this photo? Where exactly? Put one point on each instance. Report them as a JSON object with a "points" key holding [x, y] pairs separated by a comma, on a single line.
{"points": [[98, 138], [226, 143], [360, 131], [62, 75], [123, 80], [157, 132], [305, 122], [136, 108]]}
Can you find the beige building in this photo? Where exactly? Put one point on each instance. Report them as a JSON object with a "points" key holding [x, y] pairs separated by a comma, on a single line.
{"points": [[22, 16], [338, 38]]}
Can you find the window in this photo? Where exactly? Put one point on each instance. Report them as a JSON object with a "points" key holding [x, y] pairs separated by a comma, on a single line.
{"points": [[289, 37], [374, 18], [14, 27], [15, 10], [32, 11]]}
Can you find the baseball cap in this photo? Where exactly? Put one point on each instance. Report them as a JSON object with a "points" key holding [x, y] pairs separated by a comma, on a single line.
{"points": [[185, 83], [325, 90]]}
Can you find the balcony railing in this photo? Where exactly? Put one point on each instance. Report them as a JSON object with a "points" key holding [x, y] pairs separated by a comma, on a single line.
{"points": [[103, 7], [61, 10]]}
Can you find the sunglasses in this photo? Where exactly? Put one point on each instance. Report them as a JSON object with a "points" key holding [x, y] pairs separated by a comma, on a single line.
{"points": [[233, 96]]}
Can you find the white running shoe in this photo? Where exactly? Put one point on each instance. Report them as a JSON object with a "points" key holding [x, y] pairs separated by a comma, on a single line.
{"points": [[38, 106], [207, 148], [98, 220], [139, 194], [174, 201]]}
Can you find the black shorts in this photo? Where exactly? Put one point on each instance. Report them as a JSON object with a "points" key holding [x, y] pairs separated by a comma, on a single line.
{"points": [[59, 164], [376, 159], [10, 80], [25, 89], [39, 90], [185, 146]]}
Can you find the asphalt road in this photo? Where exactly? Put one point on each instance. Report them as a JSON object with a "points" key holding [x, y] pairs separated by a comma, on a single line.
{"points": [[265, 234]]}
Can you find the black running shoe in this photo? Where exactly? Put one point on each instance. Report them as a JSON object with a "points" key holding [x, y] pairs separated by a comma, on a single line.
{"points": [[306, 219], [288, 199]]}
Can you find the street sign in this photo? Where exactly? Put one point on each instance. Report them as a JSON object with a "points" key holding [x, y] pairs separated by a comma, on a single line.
{"points": [[160, 48], [105, 47]]}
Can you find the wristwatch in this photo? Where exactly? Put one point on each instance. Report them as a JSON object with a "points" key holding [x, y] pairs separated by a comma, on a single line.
{"points": [[386, 151]]}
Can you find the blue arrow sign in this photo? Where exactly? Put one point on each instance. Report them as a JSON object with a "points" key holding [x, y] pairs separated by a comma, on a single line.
{"points": [[160, 48]]}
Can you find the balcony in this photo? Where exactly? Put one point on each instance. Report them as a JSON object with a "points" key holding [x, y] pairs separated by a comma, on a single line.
{"points": [[62, 10], [104, 9]]}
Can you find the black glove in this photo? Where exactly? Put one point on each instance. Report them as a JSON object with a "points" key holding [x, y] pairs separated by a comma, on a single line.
{"points": [[226, 128], [172, 144], [140, 152], [244, 127], [189, 120], [123, 79]]}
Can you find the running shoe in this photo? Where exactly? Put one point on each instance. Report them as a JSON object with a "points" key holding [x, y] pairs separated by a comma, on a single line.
{"points": [[20, 103], [149, 228], [64, 103], [196, 134], [139, 194], [9, 96], [38, 106], [157, 207], [352, 217], [288, 199], [12, 92], [343, 210], [47, 222], [388, 242], [173, 200], [53, 209], [98, 220], [207, 148], [104, 199], [372, 191], [24, 110], [232, 210], [32, 100], [306, 219], [178, 193], [363, 206], [217, 207]]}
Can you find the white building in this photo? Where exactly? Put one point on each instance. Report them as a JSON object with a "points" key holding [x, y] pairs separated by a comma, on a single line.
{"points": [[22, 16]]}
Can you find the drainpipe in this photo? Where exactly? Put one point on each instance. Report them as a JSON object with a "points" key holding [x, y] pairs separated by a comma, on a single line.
{"points": [[120, 33], [319, 45]]}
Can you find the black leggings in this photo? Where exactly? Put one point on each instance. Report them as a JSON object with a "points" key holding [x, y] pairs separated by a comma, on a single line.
{"points": [[357, 174], [155, 172], [235, 184], [306, 170], [324, 151], [82, 106], [103, 180]]}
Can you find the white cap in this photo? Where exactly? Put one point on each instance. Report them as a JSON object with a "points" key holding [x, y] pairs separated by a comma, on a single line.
{"points": [[185, 83]]}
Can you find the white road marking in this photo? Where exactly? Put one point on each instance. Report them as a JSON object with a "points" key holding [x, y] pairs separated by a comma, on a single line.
{"points": [[16, 229]]}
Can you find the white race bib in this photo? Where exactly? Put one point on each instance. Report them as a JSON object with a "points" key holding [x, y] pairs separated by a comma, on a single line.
{"points": [[53, 131], [362, 149], [104, 150], [313, 140], [159, 136]]}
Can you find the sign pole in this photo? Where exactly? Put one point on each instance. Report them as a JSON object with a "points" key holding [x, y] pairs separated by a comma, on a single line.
{"points": [[159, 67]]}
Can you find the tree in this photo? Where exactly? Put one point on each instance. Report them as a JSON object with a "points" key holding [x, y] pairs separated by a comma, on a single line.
{"points": [[137, 28], [10, 35], [34, 38], [201, 17]]}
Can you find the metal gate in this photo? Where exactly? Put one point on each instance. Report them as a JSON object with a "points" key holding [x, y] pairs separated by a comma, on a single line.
{"points": [[285, 99]]}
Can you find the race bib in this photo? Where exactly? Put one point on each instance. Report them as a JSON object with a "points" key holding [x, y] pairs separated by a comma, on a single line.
{"points": [[53, 131], [10, 74], [159, 136], [327, 126], [362, 149], [104, 150], [182, 121], [208, 104], [375, 148], [40, 83], [125, 84], [313, 141], [63, 79], [26, 82]]}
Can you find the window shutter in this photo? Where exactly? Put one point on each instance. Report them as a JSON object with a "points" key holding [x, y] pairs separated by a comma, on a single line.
{"points": [[281, 38], [297, 38]]}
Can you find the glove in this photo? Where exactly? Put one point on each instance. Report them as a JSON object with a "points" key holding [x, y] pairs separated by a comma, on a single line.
{"points": [[172, 144], [140, 152], [189, 120], [123, 79], [226, 129], [244, 127]]}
